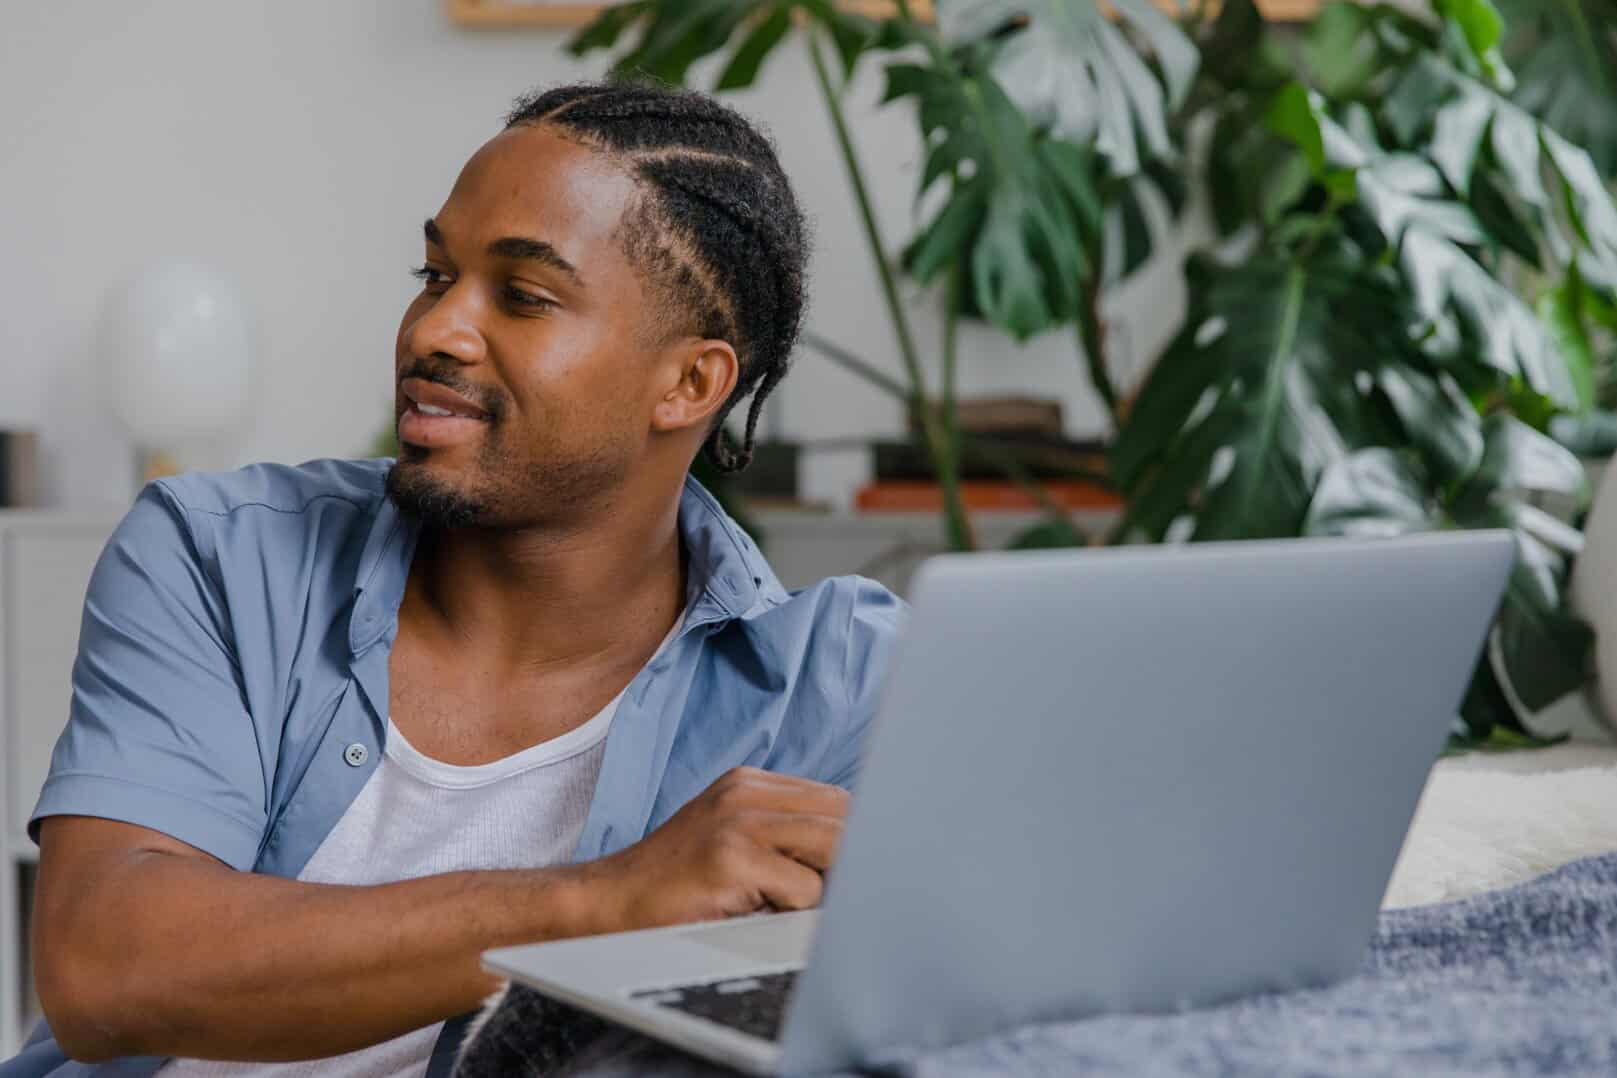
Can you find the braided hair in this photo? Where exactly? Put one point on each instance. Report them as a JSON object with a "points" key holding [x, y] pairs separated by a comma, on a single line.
{"points": [[716, 231]]}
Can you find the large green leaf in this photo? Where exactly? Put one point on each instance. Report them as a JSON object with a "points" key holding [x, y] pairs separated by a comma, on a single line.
{"points": [[1563, 310], [1475, 134], [1538, 650], [1565, 56], [1471, 314], [1482, 28], [1475, 315], [1373, 493], [1021, 207], [1256, 84], [1541, 649], [1076, 73], [674, 34], [1273, 378], [1238, 54]]}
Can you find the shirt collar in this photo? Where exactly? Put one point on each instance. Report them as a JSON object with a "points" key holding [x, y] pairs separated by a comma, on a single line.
{"points": [[728, 576]]}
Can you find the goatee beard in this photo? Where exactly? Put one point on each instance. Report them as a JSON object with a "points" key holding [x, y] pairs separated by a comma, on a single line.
{"points": [[429, 502]]}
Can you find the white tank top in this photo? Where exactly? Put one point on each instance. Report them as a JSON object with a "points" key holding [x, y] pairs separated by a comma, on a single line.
{"points": [[417, 816]]}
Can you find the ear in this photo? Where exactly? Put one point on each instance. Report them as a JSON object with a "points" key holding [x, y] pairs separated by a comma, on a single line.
{"points": [[701, 376]]}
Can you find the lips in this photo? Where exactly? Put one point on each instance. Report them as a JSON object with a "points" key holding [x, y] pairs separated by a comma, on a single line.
{"points": [[438, 417], [433, 399]]}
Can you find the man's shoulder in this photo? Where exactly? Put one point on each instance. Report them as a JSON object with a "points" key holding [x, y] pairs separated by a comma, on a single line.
{"points": [[836, 619], [317, 517], [846, 597], [279, 488]]}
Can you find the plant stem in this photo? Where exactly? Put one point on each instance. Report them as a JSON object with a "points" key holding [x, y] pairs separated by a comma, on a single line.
{"points": [[936, 443], [857, 366], [1006, 461], [867, 216], [1092, 335], [957, 523], [1002, 458]]}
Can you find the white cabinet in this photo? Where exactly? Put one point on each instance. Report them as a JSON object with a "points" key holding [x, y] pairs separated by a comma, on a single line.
{"points": [[45, 564]]}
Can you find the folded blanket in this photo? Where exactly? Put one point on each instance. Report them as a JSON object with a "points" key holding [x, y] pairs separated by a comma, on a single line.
{"points": [[1521, 981]]}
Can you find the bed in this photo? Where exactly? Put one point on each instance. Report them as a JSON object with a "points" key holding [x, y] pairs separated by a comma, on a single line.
{"points": [[1496, 954]]}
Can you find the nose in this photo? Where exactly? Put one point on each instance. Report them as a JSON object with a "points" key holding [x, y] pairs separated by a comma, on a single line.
{"points": [[449, 327]]}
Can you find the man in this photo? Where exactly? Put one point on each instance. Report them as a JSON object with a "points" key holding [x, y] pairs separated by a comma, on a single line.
{"points": [[337, 729]]}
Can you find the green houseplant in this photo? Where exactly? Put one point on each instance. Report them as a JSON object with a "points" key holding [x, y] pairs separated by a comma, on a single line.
{"points": [[1564, 55], [1362, 367], [1354, 359]]}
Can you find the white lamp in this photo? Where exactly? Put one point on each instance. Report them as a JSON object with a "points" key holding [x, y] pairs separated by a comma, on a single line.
{"points": [[179, 359]]}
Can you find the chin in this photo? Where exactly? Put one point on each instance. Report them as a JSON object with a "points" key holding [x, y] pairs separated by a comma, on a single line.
{"points": [[435, 500]]}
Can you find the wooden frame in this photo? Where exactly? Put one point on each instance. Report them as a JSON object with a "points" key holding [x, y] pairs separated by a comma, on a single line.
{"points": [[516, 14]]}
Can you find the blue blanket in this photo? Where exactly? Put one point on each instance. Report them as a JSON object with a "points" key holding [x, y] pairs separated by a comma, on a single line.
{"points": [[1521, 981]]}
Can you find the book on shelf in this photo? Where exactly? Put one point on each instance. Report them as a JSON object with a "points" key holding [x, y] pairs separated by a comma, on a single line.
{"points": [[913, 496], [985, 457], [988, 415]]}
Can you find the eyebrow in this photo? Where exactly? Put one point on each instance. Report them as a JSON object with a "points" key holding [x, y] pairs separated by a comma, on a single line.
{"points": [[520, 247]]}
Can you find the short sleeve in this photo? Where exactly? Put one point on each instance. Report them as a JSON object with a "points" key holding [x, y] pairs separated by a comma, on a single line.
{"points": [[875, 618], [158, 733]]}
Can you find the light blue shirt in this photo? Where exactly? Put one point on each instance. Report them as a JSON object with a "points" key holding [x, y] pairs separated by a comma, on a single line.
{"points": [[231, 688]]}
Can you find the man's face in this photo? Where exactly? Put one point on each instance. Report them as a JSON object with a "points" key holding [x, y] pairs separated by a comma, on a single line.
{"points": [[528, 330]]}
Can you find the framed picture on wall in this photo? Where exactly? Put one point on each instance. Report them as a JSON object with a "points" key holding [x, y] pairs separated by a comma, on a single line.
{"points": [[514, 13]]}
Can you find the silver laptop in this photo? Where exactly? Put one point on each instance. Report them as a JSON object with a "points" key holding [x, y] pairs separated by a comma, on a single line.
{"points": [[1140, 779]]}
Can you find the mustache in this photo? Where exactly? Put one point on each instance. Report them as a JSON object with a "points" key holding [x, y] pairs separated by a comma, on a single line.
{"points": [[446, 373]]}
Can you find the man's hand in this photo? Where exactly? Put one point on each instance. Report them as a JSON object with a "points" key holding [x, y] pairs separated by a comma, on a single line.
{"points": [[752, 841]]}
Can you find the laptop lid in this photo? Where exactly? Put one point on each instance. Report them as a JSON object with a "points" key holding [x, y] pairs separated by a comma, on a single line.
{"points": [[1135, 780]]}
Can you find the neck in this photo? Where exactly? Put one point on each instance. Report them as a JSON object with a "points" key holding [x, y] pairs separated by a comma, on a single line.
{"points": [[547, 595]]}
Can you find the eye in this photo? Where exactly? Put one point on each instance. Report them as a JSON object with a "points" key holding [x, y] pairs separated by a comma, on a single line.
{"points": [[518, 298], [429, 277]]}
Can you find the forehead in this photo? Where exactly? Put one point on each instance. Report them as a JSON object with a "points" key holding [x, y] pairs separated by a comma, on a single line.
{"points": [[531, 181]]}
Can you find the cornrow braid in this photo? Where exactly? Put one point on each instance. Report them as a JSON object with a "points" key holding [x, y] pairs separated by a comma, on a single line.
{"points": [[717, 230]]}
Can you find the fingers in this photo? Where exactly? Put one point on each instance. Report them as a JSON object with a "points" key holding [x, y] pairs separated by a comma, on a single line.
{"points": [[787, 885], [748, 789], [807, 839]]}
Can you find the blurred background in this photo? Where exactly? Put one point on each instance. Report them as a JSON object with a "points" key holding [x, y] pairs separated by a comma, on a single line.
{"points": [[296, 147]]}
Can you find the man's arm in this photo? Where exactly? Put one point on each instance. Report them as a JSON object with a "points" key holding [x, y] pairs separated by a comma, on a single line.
{"points": [[147, 946]]}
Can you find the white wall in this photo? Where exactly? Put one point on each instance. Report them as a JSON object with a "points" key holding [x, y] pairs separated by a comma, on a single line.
{"points": [[298, 144]]}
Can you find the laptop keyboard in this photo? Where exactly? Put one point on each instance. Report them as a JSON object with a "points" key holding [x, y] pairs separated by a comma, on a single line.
{"points": [[754, 1005]]}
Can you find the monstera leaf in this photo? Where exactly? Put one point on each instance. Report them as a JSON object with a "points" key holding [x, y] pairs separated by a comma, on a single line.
{"points": [[674, 34], [1076, 74], [1565, 57], [1437, 241], [1021, 206], [1283, 367], [1575, 315], [1537, 651], [1537, 183]]}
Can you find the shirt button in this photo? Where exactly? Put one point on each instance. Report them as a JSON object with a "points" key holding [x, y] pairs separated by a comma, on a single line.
{"points": [[356, 754]]}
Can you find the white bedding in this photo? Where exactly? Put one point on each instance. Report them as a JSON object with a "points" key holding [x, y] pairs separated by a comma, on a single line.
{"points": [[1492, 820]]}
